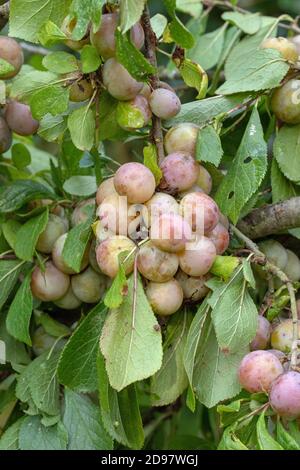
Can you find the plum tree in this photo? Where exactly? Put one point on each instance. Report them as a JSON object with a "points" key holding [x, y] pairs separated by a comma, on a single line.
{"points": [[139, 108], [88, 286], [108, 252], [263, 334], [180, 172], [156, 265], [54, 229], [201, 211], [282, 336], [105, 189], [204, 180], [113, 214], [198, 257], [58, 260], [285, 102], [118, 81], [49, 285], [161, 203], [170, 232], [258, 370], [80, 214], [165, 298], [104, 38], [5, 136], [194, 288], [285, 395], [286, 48], [11, 52], [69, 301], [292, 269], [164, 103], [135, 181], [182, 138], [220, 238], [80, 90], [275, 253], [19, 118]]}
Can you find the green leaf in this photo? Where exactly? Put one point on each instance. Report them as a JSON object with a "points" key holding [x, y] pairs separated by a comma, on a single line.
{"points": [[52, 127], [31, 82], [151, 161], [263, 70], [19, 314], [51, 34], [246, 171], [85, 11], [115, 295], [126, 345], [51, 100], [22, 191], [20, 156], [28, 235], [129, 116], [234, 313], [285, 439], [77, 365], [194, 76], [83, 422], [9, 273], [208, 48], [224, 266], [81, 124], [282, 188], [249, 23], [90, 59], [10, 229], [230, 441], [35, 436], [81, 185], [10, 439], [27, 16], [171, 379], [52, 327], [209, 146], [109, 129], [60, 62], [180, 34], [130, 12], [5, 67], [248, 273], [287, 152], [15, 351], [158, 24], [131, 58], [265, 440], [120, 410], [192, 7]]}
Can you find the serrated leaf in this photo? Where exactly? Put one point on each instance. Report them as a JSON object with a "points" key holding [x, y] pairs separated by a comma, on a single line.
{"points": [[208, 48], [28, 235], [77, 365], [85, 11], [51, 34], [115, 295], [151, 162], [9, 273], [90, 59], [83, 422], [265, 440], [131, 58], [52, 100], [287, 152], [10, 229], [194, 76], [282, 188], [81, 124], [15, 352], [130, 13], [10, 439], [22, 191], [248, 23], [230, 441], [209, 146], [19, 314], [60, 62], [285, 439], [30, 82], [126, 345], [52, 327], [34, 436], [52, 127], [246, 172]]}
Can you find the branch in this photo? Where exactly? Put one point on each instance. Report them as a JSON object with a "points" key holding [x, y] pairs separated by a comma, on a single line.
{"points": [[34, 49], [272, 219], [150, 52], [4, 14]]}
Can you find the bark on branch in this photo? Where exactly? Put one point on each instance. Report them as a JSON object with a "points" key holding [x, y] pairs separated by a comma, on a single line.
{"points": [[272, 219]]}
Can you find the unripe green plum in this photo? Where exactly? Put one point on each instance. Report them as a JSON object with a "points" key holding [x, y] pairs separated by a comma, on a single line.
{"points": [[88, 286], [56, 209], [165, 298], [258, 370], [161, 203], [263, 334], [285, 102], [194, 288], [275, 253], [11, 52], [287, 49], [106, 188], [92, 256], [182, 138], [156, 265], [201, 211], [282, 336], [194, 189], [220, 238], [79, 214], [58, 260], [198, 257], [81, 90], [5, 136], [54, 229], [135, 181], [204, 180], [146, 91], [67, 27], [285, 395], [164, 103], [108, 252], [134, 114], [19, 118], [69, 301], [42, 341], [118, 81], [49, 285], [180, 172], [292, 269], [170, 232]]}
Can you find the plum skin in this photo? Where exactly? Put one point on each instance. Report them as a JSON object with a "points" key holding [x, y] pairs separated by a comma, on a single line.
{"points": [[19, 118], [285, 395], [79, 214], [54, 229], [105, 189], [108, 252], [194, 288], [170, 232], [80, 90], [118, 81], [285, 102], [282, 336], [164, 103], [275, 253], [258, 370], [156, 265], [50, 285], [182, 138], [11, 51], [135, 181], [287, 49], [165, 298], [263, 334], [180, 172], [198, 257], [58, 260], [69, 301], [5, 136], [88, 286], [201, 211]]}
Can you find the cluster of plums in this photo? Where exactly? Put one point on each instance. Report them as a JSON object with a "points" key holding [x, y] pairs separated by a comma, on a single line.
{"points": [[267, 370], [15, 116]]}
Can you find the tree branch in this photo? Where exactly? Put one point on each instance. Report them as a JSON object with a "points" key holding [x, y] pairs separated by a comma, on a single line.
{"points": [[272, 219], [150, 52], [4, 14]]}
